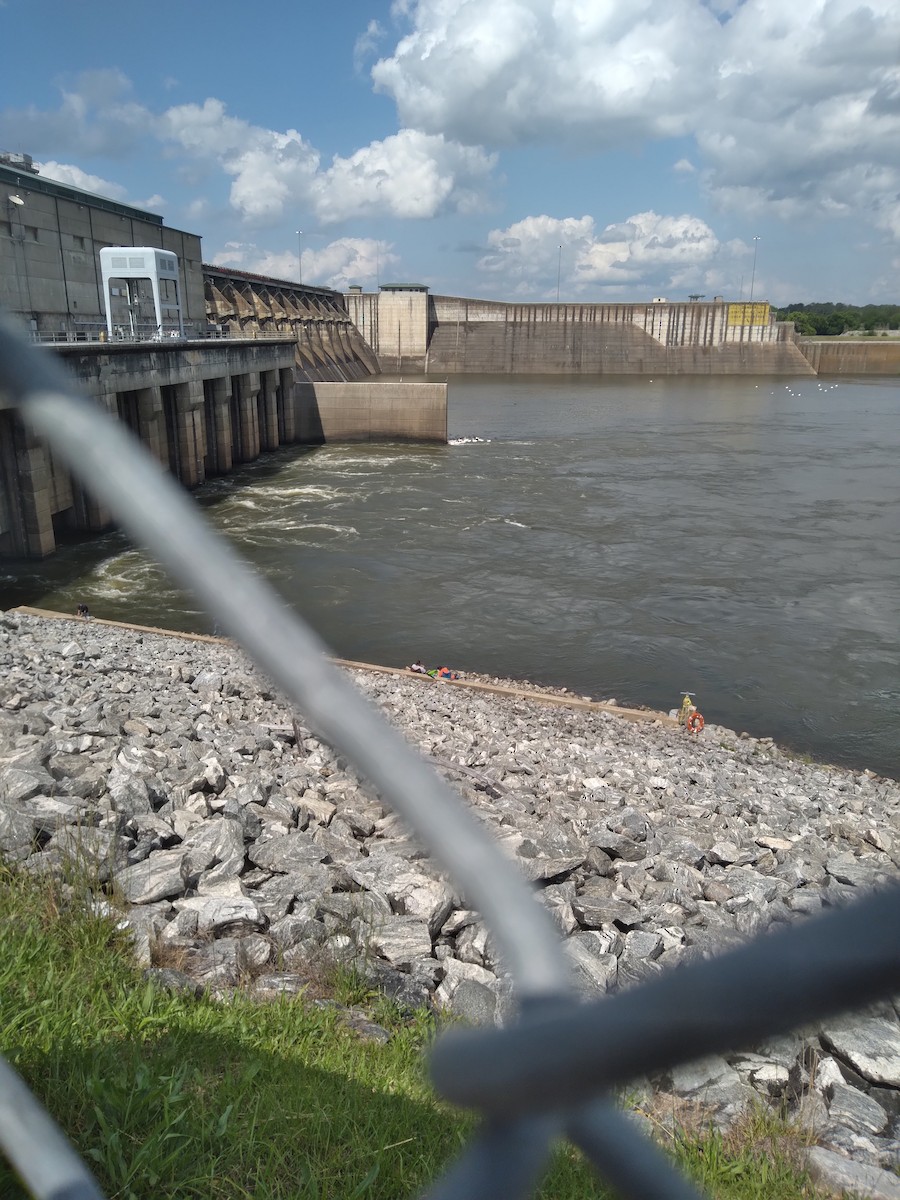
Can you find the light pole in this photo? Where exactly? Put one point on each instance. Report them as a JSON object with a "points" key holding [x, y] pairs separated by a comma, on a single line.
{"points": [[299, 256], [558, 270], [753, 273]]}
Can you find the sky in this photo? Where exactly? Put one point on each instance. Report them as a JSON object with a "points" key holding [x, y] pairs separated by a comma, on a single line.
{"points": [[586, 150]]}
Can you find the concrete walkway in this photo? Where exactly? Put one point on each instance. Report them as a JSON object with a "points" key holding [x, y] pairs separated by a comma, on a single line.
{"points": [[496, 689]]}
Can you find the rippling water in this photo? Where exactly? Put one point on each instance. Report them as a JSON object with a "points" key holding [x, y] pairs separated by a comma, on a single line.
{"points": [[630, 538]]}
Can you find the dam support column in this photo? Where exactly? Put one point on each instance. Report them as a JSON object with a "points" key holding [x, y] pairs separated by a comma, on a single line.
{"points": [[26, 492], [182, 406], [151, 423], [88, 514], [245, 416], [267, 406], [217, 425], [284, 401]]}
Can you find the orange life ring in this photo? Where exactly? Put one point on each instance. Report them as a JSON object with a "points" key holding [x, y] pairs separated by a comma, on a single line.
{"points": [[695, 722]]}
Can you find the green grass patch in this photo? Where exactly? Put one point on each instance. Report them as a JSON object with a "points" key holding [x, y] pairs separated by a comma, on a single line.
{"points": [[167, 1095]]}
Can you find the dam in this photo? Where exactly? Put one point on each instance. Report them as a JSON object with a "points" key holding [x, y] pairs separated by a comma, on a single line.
{"points": [[208, 366], [412, 331], [211, 366]]}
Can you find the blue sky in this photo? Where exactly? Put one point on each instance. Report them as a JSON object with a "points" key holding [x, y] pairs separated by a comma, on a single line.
{"points": [[623, 149]]}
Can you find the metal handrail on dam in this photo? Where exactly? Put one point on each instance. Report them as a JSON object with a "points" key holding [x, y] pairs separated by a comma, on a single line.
{"points": [[550, 1071]]}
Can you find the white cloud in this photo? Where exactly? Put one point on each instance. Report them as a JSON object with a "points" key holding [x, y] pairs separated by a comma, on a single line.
{"points": [[271, 172], [591, 73], [75, 177], [337, 265], [794, 108], [646, 250], [154, 203], [366, 44], [409, 175], [269, 169], [349, 260]]}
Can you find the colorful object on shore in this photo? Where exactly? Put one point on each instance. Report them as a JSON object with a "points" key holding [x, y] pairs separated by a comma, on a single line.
{"points": [[442, 673], [689, 715]]}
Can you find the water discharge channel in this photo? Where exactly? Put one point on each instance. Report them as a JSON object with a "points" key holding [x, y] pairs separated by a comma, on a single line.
{"points": [[737, 537]]}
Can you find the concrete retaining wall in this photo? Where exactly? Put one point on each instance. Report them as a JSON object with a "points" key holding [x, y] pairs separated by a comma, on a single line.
{"points": [[862, 356], [372, 411]]}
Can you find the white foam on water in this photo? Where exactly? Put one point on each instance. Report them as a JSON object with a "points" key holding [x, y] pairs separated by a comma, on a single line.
{"points": [[467, 441], [347, 530], [309, 491]]}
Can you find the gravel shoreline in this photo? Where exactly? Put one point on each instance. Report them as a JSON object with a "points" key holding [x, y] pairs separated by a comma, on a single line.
{"points": [[240, 843]]}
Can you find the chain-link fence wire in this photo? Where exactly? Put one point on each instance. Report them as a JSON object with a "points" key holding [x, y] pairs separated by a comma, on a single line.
{"points": [[550, 1071]]}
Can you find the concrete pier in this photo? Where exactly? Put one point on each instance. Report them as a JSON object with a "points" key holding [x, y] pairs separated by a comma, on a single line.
{"points": [[388, 410]]}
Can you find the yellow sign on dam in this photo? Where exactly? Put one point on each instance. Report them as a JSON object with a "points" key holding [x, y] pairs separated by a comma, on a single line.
{"points": [[748, 314]]}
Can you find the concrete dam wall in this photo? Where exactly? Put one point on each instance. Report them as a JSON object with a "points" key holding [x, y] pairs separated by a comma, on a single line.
{"points": [[593, 339], [856, 356]]}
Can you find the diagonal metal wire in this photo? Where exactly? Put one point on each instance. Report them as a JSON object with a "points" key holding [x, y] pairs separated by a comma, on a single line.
{"points": [[547, 1073], [823, 966], [36, 1146]]}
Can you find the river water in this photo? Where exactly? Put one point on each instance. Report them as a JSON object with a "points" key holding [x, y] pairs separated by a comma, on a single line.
{"points": [[739, 538]]}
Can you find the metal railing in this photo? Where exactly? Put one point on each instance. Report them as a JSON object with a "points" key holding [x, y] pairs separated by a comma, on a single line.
{"points": [[96, 331], [550, 1071]]}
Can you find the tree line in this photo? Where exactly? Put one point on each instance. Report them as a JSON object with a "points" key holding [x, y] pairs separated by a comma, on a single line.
{"points": [[828, 320]]}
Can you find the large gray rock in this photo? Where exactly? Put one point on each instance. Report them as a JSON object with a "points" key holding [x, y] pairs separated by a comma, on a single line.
{"points": [[458, 975], [286, 853], [409, 890], [840, 1174], [712, 1081], [223, 915], [215, 842], [158, 877], [17, 837], [870, 1044], [595, 968], [400, 941]]}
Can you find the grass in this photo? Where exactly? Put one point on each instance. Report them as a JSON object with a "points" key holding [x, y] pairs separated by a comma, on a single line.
{"points": [[168, 1095]]}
